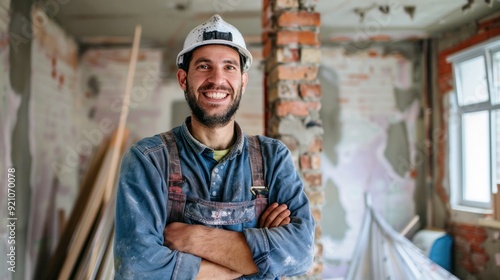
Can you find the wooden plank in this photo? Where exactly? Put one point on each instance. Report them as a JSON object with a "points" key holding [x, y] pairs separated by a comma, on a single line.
{"points": [[107, 268], [96, 247], [121, 131]]}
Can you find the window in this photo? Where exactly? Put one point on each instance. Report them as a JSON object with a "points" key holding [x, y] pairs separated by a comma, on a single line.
{"points": [[475, 125]]}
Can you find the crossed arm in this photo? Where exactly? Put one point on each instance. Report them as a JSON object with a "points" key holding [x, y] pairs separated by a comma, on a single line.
{"points": [[225, 254]]}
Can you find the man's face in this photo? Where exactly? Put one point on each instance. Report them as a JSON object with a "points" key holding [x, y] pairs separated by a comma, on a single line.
{"points": [[214, 84]]}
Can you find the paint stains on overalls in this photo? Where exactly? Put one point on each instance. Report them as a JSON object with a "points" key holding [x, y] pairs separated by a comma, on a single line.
{"points": [[181, 207]]}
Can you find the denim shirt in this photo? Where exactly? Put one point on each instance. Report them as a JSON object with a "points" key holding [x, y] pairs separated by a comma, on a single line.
{"points": [[141, 207]]}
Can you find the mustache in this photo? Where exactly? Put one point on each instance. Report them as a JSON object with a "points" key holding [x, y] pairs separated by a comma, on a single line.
{"points": [[212, 86]]}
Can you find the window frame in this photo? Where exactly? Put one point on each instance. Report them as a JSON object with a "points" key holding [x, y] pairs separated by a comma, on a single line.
{"points": [[487, 50]]}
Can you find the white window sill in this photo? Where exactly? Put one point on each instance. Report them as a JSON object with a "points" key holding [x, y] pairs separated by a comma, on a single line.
{"points": [[479, 211], [489, 222], [469, 215], [474, 216]]}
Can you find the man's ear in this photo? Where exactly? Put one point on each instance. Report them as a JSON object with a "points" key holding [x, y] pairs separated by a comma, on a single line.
{"points": [[182, 78], [244, 80]]}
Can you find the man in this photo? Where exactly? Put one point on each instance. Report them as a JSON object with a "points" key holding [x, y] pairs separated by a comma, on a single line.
{"points": [[191, 201]]}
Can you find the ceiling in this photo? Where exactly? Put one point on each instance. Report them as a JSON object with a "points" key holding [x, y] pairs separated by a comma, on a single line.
{"points": [[166, 22]]}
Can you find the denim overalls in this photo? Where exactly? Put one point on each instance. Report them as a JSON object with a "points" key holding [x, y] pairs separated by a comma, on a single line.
{"points": [[182, 208]]}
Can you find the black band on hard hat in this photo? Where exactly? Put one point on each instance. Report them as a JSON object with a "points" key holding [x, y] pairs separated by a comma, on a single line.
{"points": [[186, 59], [211, 35]]}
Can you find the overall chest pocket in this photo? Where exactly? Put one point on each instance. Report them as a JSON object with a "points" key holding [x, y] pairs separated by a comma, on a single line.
{"points": [[219, 213]]}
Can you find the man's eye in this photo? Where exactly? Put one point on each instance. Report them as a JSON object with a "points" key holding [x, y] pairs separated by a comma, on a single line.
{"points": [[203, 66], [231, 67]]}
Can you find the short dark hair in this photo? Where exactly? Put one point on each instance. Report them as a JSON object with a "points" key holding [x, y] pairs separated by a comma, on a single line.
{"points": [[186, 60]]}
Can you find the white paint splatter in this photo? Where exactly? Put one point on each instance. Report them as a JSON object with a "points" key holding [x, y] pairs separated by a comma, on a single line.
{"points": [[289, 261], [219, 214]]}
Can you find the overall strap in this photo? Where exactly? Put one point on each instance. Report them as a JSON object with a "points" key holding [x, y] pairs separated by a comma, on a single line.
{"points": [[174, 164], [255, 161], [176, 199], [258, 188]]}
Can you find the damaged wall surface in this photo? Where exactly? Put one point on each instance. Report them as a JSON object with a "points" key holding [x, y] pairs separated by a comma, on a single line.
{"points": [[370, 117]]}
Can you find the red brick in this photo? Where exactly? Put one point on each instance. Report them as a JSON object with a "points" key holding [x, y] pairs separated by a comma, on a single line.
{"points": [[296, 108], [314, 180], [318, 230], [266, 36], [358, 77], [268, 47], [379, 38], [287, 72], [305, 162], [316, 145], [298, 19], [310, 162], [286, 37], [267, 13], [469, 246], [318, 248], [310, 90], [489, 23], [316, 269]]}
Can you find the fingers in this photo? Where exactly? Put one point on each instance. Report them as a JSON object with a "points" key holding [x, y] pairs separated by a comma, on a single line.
{"points": [[274, 216], [285, 221], [282, 217], [266, 213]]}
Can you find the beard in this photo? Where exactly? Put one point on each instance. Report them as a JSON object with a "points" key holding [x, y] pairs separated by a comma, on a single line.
{"points": [[216, 120]]}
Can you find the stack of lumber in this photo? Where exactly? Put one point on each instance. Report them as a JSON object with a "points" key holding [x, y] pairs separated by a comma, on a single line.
{"points": [[86, 236], [85, 247]]}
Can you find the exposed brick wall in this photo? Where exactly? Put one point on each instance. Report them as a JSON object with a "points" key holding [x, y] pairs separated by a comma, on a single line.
{"points": [[292, 93], [472, 243], [470, 253]]}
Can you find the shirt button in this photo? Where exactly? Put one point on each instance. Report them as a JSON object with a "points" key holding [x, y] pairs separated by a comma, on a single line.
{"points": [[216, 170], [214, 193]]}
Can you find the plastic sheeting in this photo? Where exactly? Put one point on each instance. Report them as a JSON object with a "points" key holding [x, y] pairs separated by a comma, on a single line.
{"points": [[383, 253]]}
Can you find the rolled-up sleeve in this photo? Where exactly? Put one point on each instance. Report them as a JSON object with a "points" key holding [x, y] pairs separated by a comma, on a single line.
{"points": [[285, 250], [139, 223]]}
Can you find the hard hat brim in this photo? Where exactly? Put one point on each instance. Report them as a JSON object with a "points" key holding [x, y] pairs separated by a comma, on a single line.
{"points": [[244, 52]]}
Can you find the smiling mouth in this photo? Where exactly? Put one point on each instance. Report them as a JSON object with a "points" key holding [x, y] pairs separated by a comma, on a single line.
{"points": [[216, 95]]}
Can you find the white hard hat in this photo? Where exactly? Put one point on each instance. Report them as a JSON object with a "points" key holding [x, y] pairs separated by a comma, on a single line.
{"points": [[216, 31]]}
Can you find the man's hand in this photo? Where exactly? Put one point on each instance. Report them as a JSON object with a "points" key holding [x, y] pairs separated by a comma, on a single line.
{"points": [[275, 215]]}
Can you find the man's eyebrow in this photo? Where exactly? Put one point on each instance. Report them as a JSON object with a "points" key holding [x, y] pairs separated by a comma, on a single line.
{"points": [[207, 60], [231, 61], [202, 60]]}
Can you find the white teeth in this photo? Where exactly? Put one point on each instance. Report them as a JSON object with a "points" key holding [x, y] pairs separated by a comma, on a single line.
{"points": [[216, 95]]}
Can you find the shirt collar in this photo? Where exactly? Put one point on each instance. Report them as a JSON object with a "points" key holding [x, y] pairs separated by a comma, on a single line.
{"points": [[199, 147]]}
